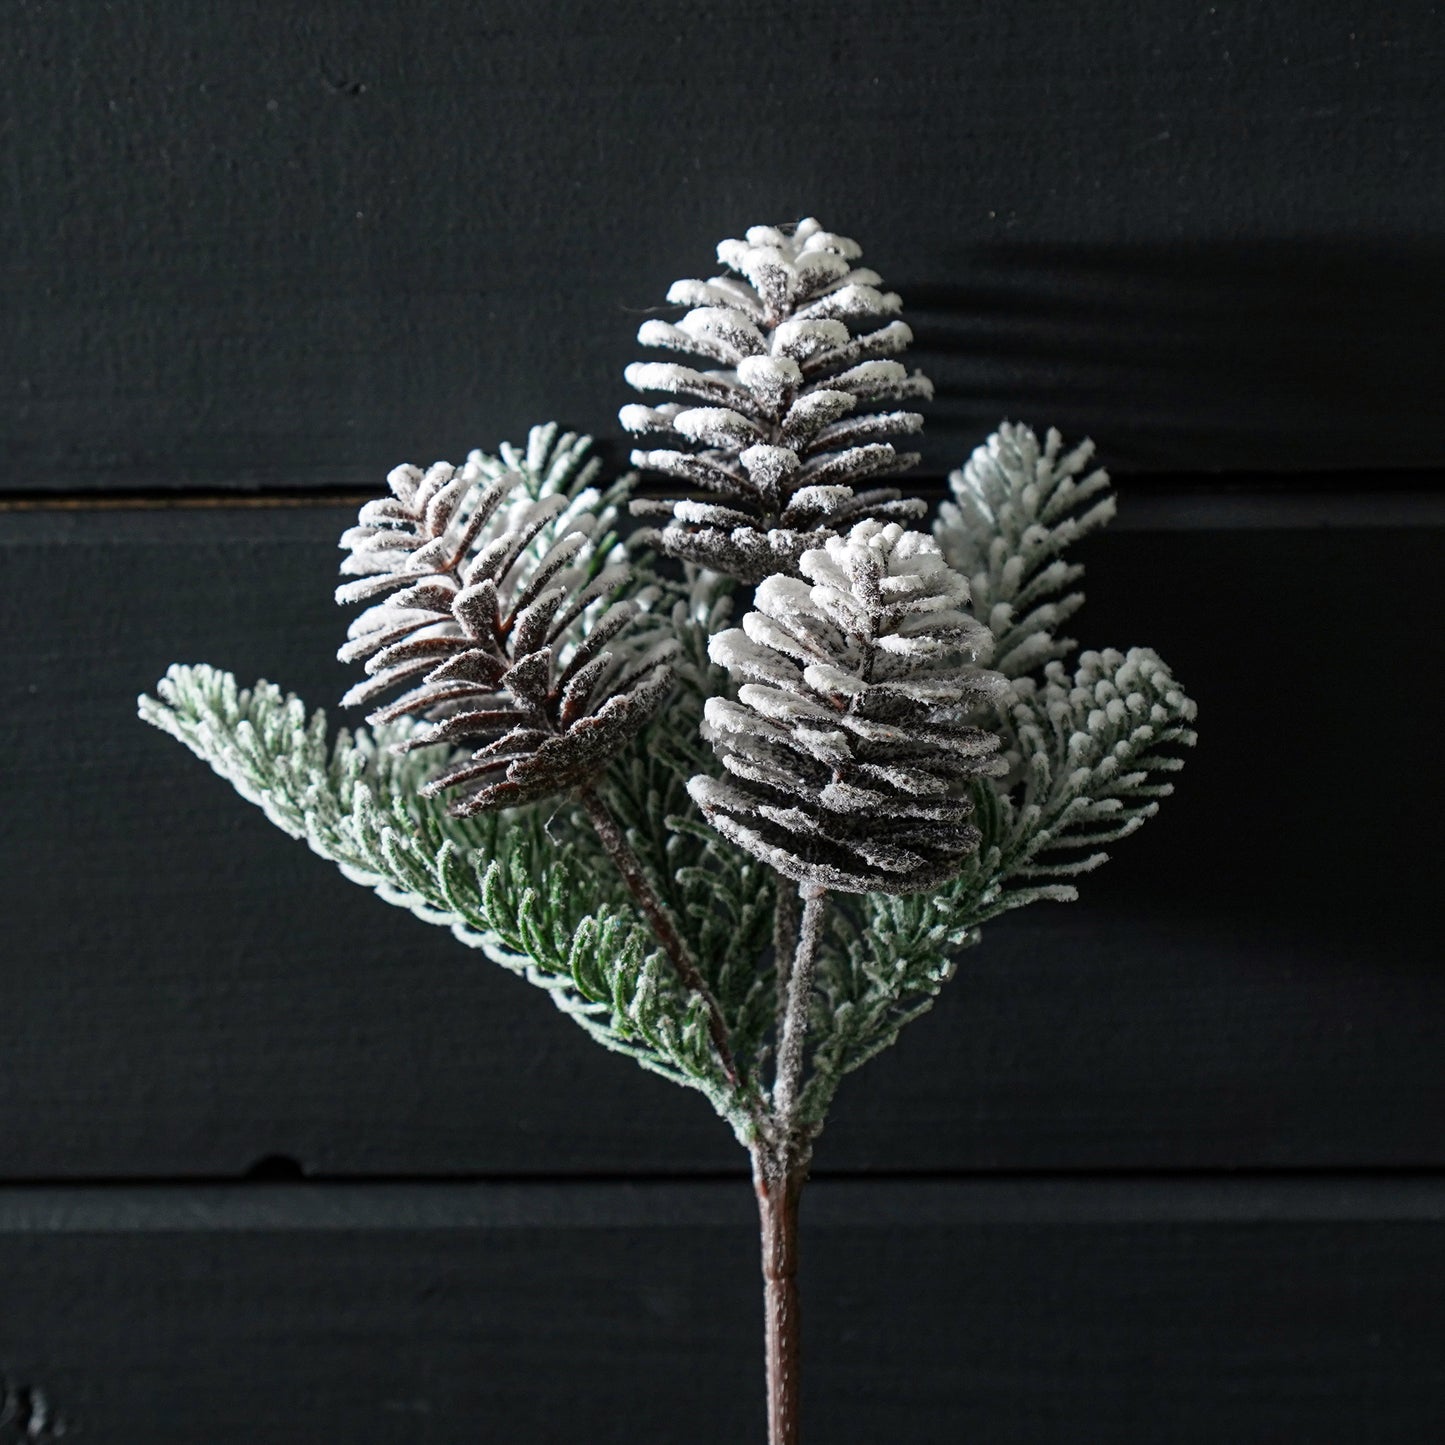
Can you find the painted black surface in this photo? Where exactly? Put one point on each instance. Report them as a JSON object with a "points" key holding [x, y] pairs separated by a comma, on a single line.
{"points": [[1040, 1313], [254, 243], [1254, 981]]}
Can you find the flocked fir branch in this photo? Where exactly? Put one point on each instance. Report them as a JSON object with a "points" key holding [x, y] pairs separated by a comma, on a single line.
{"points": [[739, 810], [1017, 506]]}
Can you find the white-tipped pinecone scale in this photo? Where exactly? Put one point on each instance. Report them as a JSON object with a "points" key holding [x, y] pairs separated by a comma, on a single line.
{"points": [[499, 615], [783, 436], [851, 747]]}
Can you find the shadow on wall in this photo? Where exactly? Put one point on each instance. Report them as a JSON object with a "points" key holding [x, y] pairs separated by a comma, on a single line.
{"points": [[1288, 355]]}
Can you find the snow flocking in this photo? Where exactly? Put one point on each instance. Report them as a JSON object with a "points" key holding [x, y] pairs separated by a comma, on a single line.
{"points": [[781, 437], [853, 740], [499, 612]]}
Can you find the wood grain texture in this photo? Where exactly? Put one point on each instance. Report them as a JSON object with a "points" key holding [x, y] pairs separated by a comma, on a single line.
{"points": [[251, 243], [1254, 982], [1018, 1314]]}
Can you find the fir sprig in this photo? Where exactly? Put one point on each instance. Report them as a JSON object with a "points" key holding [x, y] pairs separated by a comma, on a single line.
{"points": [[1018, 505], [1091, 753], [582, 768], [528, 888]]}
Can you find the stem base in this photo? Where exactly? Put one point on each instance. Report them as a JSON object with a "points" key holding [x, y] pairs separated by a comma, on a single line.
{"points": [[779, 1190]]}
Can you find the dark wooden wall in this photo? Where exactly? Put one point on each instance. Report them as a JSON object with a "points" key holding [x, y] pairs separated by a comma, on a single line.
{"points": [[278, 1164]]}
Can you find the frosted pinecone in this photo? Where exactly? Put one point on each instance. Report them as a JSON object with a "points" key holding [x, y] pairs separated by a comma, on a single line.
{"points": [[787, 426], [497, 610], [850, 751]]}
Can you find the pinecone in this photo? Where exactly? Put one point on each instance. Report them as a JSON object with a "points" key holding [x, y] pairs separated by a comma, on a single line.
{"points": [[848, 750], [500, 614], [789, 426]]}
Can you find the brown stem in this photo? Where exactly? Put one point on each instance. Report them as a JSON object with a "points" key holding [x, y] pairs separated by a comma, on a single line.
{"points": [[614, 840], [778, 1191]]}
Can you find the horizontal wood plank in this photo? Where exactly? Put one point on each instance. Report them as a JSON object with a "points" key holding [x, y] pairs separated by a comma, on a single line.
{"points": [[1254, 981], [1038, 1313], [251, 243]]}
